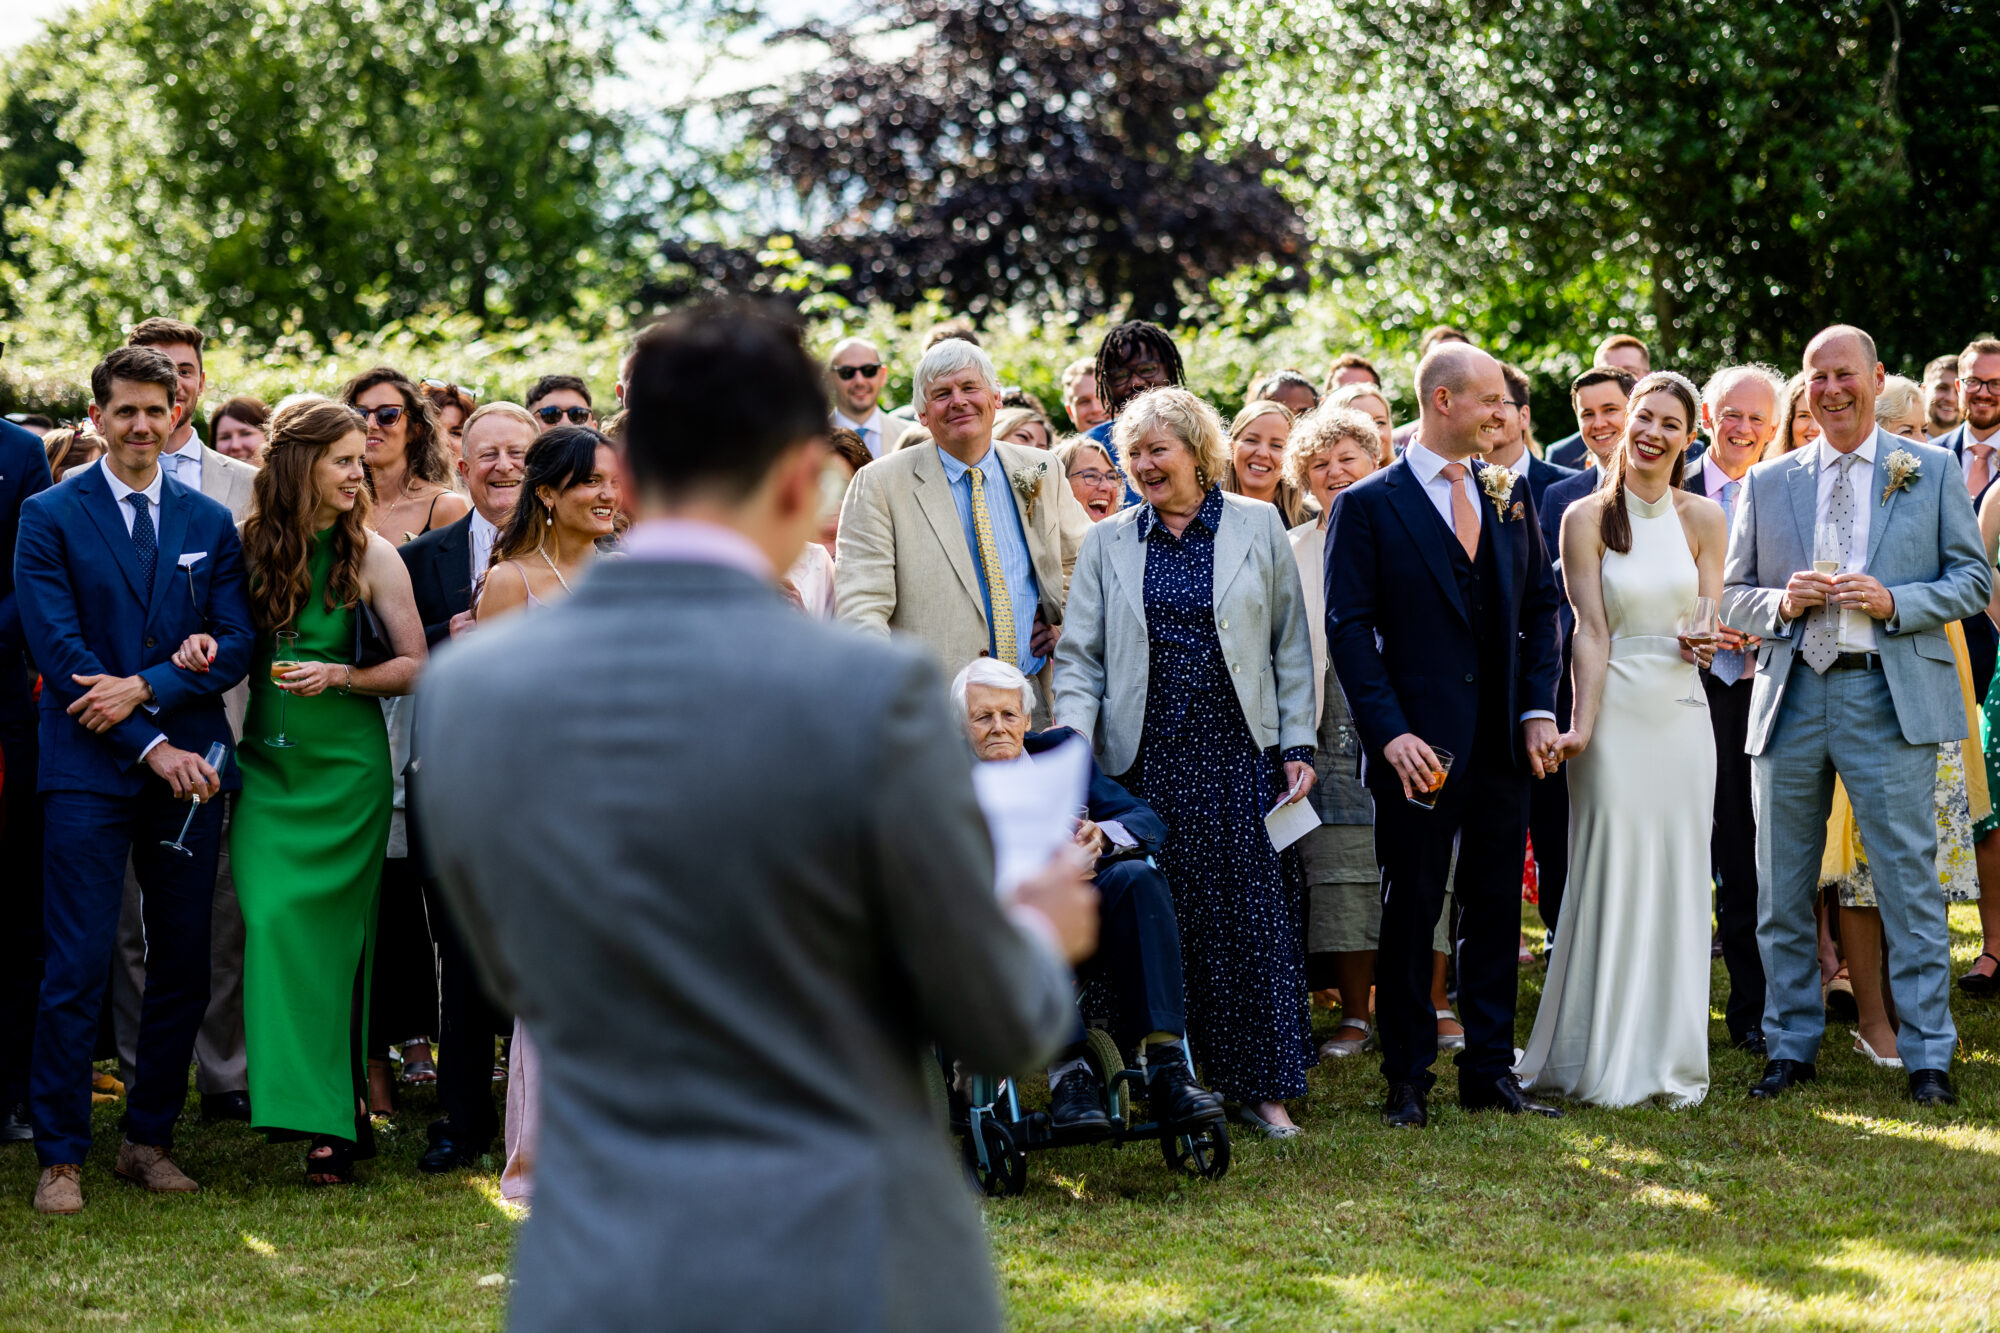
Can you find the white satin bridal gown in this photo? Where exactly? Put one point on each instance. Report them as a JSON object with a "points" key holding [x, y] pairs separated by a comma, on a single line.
{"points": [[1624, 1015]]}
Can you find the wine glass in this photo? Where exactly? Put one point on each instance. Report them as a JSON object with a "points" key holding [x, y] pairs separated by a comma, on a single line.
{"points": [[1700, 626], [216, 754], [1829, 554], [284, 657]]}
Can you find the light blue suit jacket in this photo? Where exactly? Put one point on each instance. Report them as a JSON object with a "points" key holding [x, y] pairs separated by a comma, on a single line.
{"points": [[1923, 546]]}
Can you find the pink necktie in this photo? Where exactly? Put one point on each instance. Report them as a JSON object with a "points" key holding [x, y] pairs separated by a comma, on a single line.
{"points": [[1981, 470], [1464, 521]]}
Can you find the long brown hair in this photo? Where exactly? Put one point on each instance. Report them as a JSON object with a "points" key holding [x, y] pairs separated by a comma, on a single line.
{"points": [[560, 459], [1794, 402], [1616, 523], [278, 535], [426, 453]]}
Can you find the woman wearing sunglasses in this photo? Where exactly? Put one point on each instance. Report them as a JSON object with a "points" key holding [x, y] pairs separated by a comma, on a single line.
{"points": [[409, 459]]}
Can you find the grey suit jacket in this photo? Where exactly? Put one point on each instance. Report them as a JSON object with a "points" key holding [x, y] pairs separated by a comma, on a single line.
{"points": [[1105, 658], [1923, 546], [229, 481], [726, 864]]}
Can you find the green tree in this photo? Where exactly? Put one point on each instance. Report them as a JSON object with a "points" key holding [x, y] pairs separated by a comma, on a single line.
{"points": [[288, 163], [1722, 175]]}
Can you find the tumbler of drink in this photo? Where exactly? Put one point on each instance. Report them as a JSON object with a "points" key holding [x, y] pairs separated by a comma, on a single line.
{"points": [[1428, 798]]}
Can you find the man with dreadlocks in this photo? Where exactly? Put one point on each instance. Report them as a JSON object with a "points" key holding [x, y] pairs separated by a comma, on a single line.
{"points": [[1134, 357]]}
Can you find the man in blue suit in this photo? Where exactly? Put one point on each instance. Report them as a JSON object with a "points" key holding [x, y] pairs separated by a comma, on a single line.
{"points": [[114, 570], [1441, 625], [24, 471]]}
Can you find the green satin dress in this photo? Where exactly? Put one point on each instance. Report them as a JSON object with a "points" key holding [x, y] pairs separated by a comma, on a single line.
{"points": [[306, 845]]}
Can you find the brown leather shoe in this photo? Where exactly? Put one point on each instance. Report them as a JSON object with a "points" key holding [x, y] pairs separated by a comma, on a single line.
{"points": [[144, 1164], [60, 1189]]}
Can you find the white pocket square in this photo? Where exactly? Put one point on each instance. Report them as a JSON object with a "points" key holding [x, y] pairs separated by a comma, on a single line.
{"points": [[192, 558]]}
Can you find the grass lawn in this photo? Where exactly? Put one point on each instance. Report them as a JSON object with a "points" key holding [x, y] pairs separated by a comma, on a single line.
{"points": [[1840, 1207]]}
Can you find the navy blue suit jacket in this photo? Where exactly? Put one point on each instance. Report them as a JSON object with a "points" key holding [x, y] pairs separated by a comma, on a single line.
{"points": [[440, 565], [1107, 800], [1543, 474], [24, 472], [85, 613], [1567, 452], [1398, 630]]}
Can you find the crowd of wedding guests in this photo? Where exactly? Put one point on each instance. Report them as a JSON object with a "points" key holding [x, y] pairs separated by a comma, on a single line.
{"points": [[211, 766]]}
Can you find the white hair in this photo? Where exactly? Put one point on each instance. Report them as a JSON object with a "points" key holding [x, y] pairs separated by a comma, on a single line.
{"points": [[1724, 379], [991, 671], [954, 356]]}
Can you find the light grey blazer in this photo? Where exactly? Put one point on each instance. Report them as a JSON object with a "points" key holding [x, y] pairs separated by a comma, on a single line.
{"points": [[228, 481], [726, 864], [1923, 546], [1104, 660]]}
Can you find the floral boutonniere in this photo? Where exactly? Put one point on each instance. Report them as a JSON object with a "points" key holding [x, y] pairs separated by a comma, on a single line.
{"points": [[1498, 483], [1900, 468], [1028, 485]]}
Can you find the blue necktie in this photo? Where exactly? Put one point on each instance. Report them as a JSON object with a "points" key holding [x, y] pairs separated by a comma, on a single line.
{"points": [[145, 541], [1729, 664]]}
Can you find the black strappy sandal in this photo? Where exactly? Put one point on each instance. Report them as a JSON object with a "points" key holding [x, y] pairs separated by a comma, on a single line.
{"points": [[336, 1168], [1982, 985]]}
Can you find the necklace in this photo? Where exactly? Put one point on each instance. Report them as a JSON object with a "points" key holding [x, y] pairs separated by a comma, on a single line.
{"points": [[552, 568]]}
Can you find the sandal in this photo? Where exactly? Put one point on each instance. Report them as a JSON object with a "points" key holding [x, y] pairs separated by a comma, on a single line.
{"points": [[1838, 995], [335, 1167], [419, 1071], [1339, 1048], [1981, 984], [1450, 1041]]}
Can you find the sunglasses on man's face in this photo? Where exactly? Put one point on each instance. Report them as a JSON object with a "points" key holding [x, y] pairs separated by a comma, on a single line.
{"points": [[867, 372], [551, 415], [383, 416]]}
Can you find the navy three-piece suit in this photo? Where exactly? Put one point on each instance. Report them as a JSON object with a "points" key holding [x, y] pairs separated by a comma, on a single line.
{"points": [[87, 609]]}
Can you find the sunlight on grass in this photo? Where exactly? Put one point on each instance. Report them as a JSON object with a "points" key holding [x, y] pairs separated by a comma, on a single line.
{"points": [[259, 1246], [1654, 1196], [1964, 1138], [488, 1188]]}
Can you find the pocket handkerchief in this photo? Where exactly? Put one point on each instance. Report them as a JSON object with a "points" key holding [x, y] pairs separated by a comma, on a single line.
{"points": [[190, 559]]}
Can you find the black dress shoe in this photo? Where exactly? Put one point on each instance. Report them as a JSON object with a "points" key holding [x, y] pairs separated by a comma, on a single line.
{"points": [[1405, 1108], [225, 1106], [1780, 1075], [1753, 1041], [448, 1154], [1931, 1087], [1176, 1099], [1077, 1103], [1506, 1094], [15, 1127]]}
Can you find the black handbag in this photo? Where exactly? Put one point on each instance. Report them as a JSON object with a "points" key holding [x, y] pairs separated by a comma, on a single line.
{"points": [[371, 641]]}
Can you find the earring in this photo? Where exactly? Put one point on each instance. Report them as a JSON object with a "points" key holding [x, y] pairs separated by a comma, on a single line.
{"points": [[549, 522]]}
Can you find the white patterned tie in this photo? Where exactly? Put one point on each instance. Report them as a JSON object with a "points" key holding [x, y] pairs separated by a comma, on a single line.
{"points": [[1822, 639]]}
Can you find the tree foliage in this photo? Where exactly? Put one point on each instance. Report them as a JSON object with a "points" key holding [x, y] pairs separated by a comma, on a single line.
{"points": [[290, 163], [1019, 151], [1723, 175]]}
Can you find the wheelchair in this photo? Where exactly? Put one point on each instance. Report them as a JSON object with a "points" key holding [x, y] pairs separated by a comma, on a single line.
{"points": [[996, 1133]]}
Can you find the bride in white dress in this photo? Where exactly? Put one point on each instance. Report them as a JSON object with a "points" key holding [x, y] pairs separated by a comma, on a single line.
{"points": [[1624, 1014]]}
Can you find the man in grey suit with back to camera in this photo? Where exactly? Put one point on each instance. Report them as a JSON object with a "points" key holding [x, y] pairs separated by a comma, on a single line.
{"points": [[744, 889], [1856, 680]]}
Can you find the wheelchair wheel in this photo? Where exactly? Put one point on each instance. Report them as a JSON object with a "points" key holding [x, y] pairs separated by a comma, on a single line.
{"points": [[1107, 1062], [1201, 1151], [1006, 1171]]}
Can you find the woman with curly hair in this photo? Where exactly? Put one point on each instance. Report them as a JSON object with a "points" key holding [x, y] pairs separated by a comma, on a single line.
{"points": [[409, 456], [312, 821]]}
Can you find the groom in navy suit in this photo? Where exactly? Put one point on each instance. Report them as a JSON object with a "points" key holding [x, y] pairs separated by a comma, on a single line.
{"points": [[1441, 624], [113, 571]]}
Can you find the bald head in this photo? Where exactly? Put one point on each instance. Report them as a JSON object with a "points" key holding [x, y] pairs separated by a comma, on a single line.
{"points": [[1462, 397], [1863, 344], [1843, 379]]}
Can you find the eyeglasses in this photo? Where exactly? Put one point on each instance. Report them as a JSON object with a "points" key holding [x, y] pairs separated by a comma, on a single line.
{"points": [[551, 415], [1972, 384], [1091, 476], [385, 416], [867, 372]]}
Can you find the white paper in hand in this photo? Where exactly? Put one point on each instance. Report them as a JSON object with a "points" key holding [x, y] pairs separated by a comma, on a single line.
{"points": [[1031, 807], [1288, 823]]}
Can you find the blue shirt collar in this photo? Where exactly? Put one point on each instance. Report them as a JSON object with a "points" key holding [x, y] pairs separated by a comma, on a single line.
{"points": [[954, 470], [1208, 516]]}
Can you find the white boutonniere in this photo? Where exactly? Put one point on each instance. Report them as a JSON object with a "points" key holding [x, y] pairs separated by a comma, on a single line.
{"points": [[1498, 483], [1028, 484], [1900, 468]]}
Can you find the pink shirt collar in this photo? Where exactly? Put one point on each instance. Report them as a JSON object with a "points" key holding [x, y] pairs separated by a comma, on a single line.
{"points": [[696, 542]]}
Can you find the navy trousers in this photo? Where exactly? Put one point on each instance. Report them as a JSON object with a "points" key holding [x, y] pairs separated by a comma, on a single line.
{"points": [[1137, 967], [86, 839], [20, 910]]}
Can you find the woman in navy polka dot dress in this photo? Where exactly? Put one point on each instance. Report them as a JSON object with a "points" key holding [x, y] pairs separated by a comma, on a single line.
{"points": [[1185, 656]]}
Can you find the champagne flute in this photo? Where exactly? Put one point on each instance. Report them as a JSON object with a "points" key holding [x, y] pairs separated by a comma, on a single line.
{"points": [[216, 754], [1700, 627], [283, 658], [1829, 555]]}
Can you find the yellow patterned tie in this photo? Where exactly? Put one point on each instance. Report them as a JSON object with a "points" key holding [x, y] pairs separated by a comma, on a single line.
{"points": [[1000, 605]]}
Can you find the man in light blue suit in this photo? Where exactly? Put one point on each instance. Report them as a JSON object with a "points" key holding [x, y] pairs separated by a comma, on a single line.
{"points": [[1855, 680], [114, 570]]}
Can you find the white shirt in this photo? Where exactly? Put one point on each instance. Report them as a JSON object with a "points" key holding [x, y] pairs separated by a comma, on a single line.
{"points": [[871, 431], [1519, 467], [481, 539], [1857, 629], [184, 463], [119, 490], [1429, 469]]}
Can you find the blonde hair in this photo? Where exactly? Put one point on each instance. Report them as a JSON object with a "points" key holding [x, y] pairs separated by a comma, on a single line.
{"points": [[1347, 395], [511, 411], [1290, 499], [1068, 447], [1010, 419], [1318, 431], [1193, 422], [1900, 398]]}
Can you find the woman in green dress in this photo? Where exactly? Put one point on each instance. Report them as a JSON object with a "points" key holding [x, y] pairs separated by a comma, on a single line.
{"points": [[310, 827]]}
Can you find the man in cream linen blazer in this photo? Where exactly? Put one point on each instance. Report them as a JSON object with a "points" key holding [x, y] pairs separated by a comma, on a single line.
{"points": [[905, 561]]}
